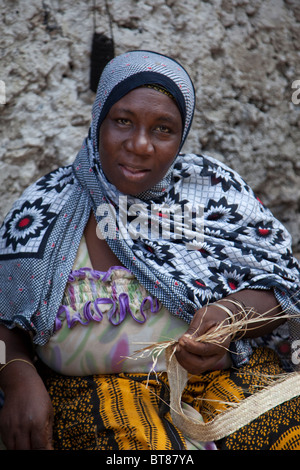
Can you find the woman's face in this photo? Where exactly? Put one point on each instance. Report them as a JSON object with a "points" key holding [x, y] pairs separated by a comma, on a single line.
{"points": [[139, 139]]}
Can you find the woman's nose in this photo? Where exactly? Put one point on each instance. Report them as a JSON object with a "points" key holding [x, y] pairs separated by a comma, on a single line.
{"points": [[140, 142]]}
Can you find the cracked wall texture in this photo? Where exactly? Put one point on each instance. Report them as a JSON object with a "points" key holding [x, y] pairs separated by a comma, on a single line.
{"points": [[243, 56]]}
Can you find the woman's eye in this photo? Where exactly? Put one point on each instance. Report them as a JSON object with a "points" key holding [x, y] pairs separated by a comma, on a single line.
{"points": [[123, 121], [164, 129]]}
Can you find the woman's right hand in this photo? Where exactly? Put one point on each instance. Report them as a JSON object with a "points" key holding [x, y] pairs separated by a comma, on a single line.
{"points": [[26, 418]]}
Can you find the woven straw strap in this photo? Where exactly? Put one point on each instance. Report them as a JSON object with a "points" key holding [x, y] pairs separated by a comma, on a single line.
{"points": [[235, 417]]}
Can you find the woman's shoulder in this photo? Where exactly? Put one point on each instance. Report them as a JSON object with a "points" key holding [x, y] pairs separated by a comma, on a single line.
{"points": [[35, 209], [56, 181], [55, 184], [216, 170]]}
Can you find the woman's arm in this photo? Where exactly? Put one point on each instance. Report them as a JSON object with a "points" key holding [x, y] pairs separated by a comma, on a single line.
{"points": [[264, 305], [26, 417], [198, 357]]}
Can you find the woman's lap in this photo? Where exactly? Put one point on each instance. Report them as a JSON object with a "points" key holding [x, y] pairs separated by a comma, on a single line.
{"points": [[130, 411]]}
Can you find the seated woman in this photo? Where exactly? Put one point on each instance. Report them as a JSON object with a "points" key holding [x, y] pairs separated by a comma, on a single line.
{"points": [[132, 245]]}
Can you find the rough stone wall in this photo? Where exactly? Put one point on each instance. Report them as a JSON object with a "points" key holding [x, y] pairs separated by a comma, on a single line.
{"points": [[243, 56]]}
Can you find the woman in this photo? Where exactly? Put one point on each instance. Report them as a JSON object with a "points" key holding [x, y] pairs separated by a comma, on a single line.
{"points": [[132, 245]]}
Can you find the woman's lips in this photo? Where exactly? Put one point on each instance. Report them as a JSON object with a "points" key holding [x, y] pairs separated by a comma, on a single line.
{"points": [[133, 173]]}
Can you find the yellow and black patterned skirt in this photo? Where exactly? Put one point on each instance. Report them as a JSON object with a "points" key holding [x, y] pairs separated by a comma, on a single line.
{"points": [[119, 412]]}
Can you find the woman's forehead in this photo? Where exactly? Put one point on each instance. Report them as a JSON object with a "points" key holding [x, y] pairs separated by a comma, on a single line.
{"points": [[145, 100]]}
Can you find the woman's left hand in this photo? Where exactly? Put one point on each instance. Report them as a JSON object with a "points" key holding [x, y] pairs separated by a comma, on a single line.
{"points": [[198, 357]]}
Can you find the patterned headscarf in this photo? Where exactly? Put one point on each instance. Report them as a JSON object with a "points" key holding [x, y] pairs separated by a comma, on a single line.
{"points": [[241, 245]]}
